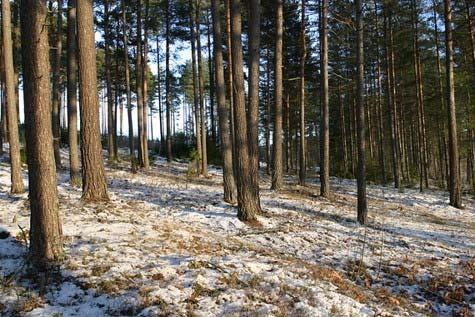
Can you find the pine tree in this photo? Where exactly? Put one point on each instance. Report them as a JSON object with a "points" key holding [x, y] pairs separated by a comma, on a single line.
{"points": [[45, 225], [94, 183]]}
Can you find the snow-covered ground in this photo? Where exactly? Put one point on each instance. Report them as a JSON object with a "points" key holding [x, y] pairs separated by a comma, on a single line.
{"points": [[166, 244]]}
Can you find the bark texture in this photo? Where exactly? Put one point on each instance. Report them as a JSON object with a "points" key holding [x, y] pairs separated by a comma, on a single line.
{"points": [[45, 224], [10, 98], [72, 74], [94, 182], [223, 111]]}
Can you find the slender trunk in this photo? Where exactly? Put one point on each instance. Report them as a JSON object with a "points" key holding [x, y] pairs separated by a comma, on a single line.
{"points": [[94, 182], [390, 95], [12, 115], [277, 176], [361, 175], [72, 74], [107, 69], [325, 148], [212, 79], [227, 7], [455, 187], [248, 203], [168, 84], [254, 7], [343, 129], [202, 112], [223, 111], [57, 85], [145, 69], [139, 85], [130, 121], [196, 99], [303, 56], [159, 88], [268, 115], [380, 118], [45, 224]]}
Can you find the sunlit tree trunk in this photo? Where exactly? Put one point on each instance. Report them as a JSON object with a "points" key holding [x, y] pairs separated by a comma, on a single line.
{"points": [[454, 180], [361, 173], [254, 8], [248, 204], [223, 111], [72, 75], [46, 243], [277, 173], [94, 182], [10, 98], [325, 148]]}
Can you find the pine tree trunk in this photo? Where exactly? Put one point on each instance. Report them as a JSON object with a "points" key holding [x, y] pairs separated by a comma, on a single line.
{"points": [[303, 56], [201, 84], [72, 74], [343, 129], [390, 95], [94, 180], [380, 118], [230, 86], [130, 121], [159, 88], [223, 111], [56, 65], [45, 224], [168, 84], [196, 99], [12, 115], [144, 70], [107, 69], [268, 115], [277, 173], [254, 8], [139, 85], [211, 81], [361, 175], [325, 148], [455, 187], [248, 204]]}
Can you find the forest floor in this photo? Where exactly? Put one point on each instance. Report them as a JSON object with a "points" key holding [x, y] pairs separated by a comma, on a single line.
{"points": [[167, 245]]}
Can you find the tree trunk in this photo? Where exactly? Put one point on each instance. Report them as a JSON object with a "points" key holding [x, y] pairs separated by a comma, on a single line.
{"points": [[130, 121], [211, 81], [159, 88], [196, 102], [360, 122], [72, 74], [268, 115], [45, 224], [248, 203], [325, 149], [201, 84], [168, 86], [57, 85], [455, 187], [110, 100], [139, 85], [390, 95], [223, 111], [12, 118], [144, 70], [303, 56], [94, 182], [277, 176], [380, 118], [254, 9]]}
